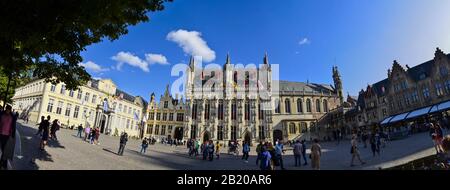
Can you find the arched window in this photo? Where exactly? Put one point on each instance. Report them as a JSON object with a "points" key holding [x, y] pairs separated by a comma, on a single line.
{"points": [[317, 105], [292, 129], [299, 106], [277, 105], [287, 106], [325, 105], [308, 105]]}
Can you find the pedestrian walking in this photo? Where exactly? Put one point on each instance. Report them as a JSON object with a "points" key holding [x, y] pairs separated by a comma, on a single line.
{"points": [[45, 132], [297, 153], [355, 152], [211, 150], [439, 136], [92, 136], [144, 146], [53, 129], [123, 143], [303, 142], [316, 153], [373, 145], [245, 151], [40, 126], [7, 136], [218, 148], [265, 159], [279, 151], [259, 152], [87, 131], [80, 130], [97, 135]]}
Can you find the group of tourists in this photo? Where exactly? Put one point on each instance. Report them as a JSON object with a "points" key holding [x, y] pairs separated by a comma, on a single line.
{"points": [[269, 157], [47, 131], [91, 135]]}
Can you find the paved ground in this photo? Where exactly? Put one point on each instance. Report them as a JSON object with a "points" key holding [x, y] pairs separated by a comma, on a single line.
{"points": [[70, 153]]}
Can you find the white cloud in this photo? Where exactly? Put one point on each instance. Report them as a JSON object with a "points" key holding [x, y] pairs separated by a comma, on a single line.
{"points": [[304, 41], [91, 66], [130, 59], [192, 44], [156, 58]]}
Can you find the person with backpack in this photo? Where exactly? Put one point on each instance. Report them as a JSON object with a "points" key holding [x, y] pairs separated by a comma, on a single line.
{"points": [[265, 159], [245, 151]]}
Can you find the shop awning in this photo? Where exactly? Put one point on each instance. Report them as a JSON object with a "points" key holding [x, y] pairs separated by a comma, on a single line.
{"points": [[385, 121], [419, 112], [434, 109], [444, 106], [399, 117]]}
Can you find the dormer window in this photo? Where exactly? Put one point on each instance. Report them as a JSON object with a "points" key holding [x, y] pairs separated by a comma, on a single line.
{"points": [[166, 104]]}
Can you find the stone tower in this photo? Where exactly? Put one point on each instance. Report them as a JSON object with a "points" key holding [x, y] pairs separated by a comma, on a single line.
{"points": [[338, 84]]}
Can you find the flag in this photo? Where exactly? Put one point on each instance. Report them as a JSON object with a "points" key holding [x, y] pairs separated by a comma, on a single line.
{"points": [[105, 105], [136, 117], [144, 119]]}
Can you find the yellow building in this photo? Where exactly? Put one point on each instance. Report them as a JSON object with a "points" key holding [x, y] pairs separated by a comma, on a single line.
{"points": [[98, 103], [166, 119]]}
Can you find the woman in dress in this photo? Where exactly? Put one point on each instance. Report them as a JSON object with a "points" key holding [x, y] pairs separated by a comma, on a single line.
{"points": [[316, 153]]}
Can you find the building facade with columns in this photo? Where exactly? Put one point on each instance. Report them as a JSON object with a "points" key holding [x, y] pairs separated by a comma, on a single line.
{"points": [[228, 103], [97, 104], [166, 118]]}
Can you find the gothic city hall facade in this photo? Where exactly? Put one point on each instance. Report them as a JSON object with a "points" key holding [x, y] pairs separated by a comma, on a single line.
{"points": [[229, 102]]}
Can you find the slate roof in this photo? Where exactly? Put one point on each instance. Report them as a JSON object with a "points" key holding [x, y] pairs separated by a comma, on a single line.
{"points": [[126, 96], [305, 87]]}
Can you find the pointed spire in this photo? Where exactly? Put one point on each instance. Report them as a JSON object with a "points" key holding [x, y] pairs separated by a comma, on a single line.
{"points": [[228, 61], [192, 62], [166, 93], [266, 59]]}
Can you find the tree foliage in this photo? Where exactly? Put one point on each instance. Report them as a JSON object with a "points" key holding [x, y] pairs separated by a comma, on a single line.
{"points": [[47, 36]]}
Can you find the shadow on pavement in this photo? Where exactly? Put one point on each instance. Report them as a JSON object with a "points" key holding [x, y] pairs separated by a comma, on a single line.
{"points": [[55, 144], [110, 151]]}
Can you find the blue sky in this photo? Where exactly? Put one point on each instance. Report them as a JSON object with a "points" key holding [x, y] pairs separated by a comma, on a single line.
{"points": [[306, 38]]}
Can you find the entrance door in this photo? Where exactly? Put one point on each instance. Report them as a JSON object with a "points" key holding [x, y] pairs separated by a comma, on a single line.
{"points": [[102, 124], [206, 136], [178, 133], [247, 137], [277, 135]]}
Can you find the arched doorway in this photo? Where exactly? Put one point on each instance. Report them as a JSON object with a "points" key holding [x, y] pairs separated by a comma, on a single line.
{"points": [[247, 137], [206, 136], [277, 135], [178, 133], [103, 123]]}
